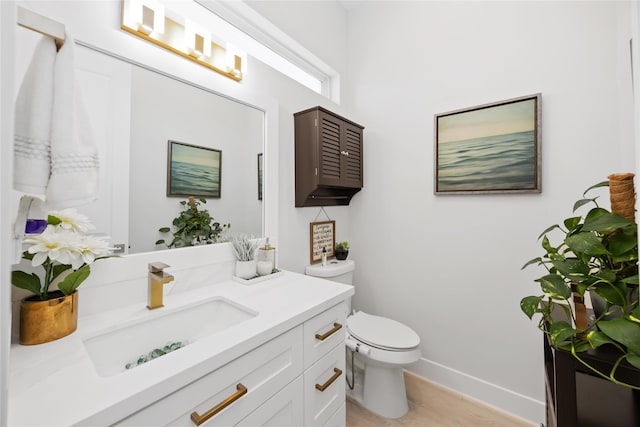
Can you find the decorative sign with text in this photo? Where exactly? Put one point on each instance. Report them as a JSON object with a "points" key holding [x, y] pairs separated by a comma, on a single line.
{"points": [[323, 235]]}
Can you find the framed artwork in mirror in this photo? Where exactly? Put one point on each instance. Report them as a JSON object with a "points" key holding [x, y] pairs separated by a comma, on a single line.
{"points": [[193, 170], [322, 236], [491, 148], [260, 176]]}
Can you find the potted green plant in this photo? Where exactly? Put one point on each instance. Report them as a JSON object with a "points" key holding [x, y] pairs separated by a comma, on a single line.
{"points": [[64, 252], [193, 226], [341, 250], [596, 253], [244, 246]]}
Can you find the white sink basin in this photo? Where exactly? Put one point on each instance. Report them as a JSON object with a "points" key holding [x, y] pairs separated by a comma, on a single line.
{"points": [[111, 350]]}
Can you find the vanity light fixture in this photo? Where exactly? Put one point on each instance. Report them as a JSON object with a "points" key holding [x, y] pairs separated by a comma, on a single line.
{"points": [[146, 16], [236, 60], [155, 23], [197, 39], [147, 20]]}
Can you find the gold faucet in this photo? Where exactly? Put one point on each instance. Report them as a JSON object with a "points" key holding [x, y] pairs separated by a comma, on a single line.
{"points": [[157, 278]]}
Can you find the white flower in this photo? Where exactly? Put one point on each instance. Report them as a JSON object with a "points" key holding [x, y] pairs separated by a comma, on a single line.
{"points": [[94, 247], [73, 220], [64, 243], [57, 244]]}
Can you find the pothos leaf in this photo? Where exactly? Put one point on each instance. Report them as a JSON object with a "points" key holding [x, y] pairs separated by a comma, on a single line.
{"points": [[554, 286], [529, 305]]}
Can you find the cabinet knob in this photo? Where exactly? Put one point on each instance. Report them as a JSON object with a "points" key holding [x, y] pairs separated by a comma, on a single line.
{"points": [[344, 153]]}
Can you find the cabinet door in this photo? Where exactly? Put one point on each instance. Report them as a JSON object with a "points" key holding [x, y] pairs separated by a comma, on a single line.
{"points": [[339, 418], [324, 388], [285, 409], [351, 156], [243, 384], [330, 131], [339, 152]]}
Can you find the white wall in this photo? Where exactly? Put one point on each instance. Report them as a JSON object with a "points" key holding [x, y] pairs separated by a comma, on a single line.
{"points": [[449, 266]]}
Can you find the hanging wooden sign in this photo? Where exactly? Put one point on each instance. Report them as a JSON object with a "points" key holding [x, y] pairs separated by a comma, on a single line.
{"points": [[322, 235]]}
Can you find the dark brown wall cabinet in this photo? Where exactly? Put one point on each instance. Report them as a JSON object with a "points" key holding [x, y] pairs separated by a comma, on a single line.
{"points": [[328, 158]]}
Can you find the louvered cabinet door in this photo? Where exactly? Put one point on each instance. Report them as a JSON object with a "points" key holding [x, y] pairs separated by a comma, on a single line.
{"points": [[351, 156], [339, 152], [329, 158]]}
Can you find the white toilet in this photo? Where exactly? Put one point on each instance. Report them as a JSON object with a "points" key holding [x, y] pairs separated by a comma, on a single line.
{"points": [[382, 348]]}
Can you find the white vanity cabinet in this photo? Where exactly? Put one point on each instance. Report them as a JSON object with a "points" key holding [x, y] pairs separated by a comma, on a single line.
{"points": [[295, 379], [225, 396]]}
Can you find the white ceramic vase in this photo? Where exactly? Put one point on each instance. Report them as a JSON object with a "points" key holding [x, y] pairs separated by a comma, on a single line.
{"points": [[246, 269], [264, 268]]}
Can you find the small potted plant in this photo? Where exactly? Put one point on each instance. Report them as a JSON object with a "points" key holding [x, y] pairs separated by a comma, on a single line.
{"points": [[595, 253], [342, 250], [193, 226], [245, 247], [64, 252]]}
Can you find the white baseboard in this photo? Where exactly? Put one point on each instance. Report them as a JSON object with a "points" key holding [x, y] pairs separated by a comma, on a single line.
{"points": [[493, 395]]}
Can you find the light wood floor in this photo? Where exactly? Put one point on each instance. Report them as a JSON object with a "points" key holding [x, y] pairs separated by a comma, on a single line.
{"points": [[431, 405]]}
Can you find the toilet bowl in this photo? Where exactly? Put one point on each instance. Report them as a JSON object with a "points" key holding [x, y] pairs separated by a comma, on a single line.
{"points": [[378, 347]]}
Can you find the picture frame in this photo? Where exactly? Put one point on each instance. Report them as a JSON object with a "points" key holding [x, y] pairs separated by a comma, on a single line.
{"points": [[193, 170], [259, 176], [488, 149], [322, 235]]}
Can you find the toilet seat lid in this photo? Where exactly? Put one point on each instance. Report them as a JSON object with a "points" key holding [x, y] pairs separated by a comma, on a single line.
{"points": [[382, 332]]}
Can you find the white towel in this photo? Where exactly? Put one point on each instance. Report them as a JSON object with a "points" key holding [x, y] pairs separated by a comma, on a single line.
{"points": [[74, 153], [33, 122]]}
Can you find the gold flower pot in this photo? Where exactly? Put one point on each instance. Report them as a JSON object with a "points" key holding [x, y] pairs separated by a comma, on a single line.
{"points": [[48, 320]]}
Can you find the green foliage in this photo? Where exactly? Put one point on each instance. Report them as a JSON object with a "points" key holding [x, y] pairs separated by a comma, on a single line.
{"points": [[193, 226], [74, 279], [597, 253], [342, 246], [22, 280]]}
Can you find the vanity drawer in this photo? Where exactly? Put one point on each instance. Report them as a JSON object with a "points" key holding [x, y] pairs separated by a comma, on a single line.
{"points": [[262, 372], [323, 332], [282, 410], [324, 388], [339, 418]]}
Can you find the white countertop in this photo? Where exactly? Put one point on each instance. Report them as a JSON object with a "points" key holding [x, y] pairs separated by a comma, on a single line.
{"points": [[56, 383]]}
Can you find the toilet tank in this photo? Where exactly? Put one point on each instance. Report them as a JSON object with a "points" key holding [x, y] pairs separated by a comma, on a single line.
{"points": [[335, 270]]}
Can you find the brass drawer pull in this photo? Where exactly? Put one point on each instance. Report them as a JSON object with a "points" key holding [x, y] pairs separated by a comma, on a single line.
{"points": [[337, 373], [336, 328], [199, 419]]}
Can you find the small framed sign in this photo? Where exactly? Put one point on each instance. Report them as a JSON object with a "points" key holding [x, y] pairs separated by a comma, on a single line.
{"points": [[322, 235]]}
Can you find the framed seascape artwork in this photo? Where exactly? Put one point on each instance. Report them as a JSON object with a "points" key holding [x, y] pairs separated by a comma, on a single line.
{"points": [[491, 148], [193, 171]]}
